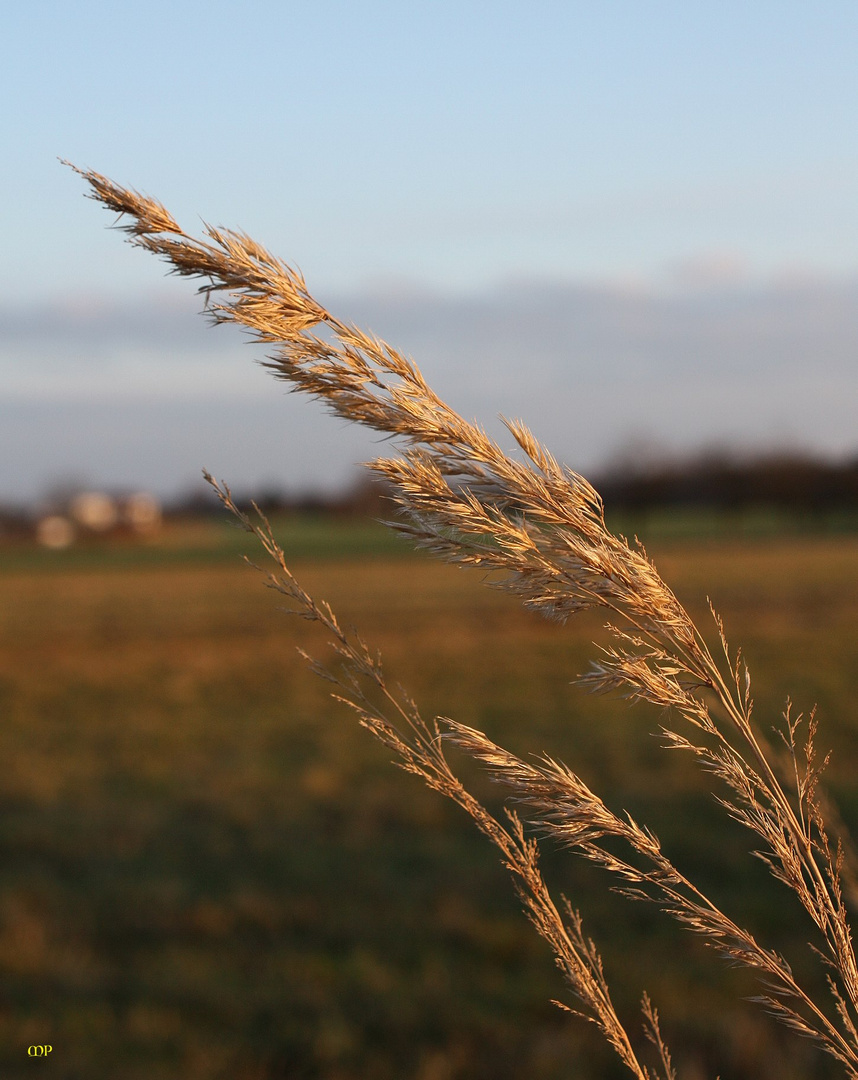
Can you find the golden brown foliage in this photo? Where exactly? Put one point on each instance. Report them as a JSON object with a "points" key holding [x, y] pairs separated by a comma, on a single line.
{"points": [[539, 529]]}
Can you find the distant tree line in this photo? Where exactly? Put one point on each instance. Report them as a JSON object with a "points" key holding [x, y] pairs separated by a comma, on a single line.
{"points": [[784, 482], [787, 482]]}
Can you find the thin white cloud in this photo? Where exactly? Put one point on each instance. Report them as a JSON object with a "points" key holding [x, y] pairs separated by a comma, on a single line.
{"points": [[733, 363]]}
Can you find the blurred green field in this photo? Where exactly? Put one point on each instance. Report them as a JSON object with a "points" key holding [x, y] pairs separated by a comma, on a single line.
{"points": [[210, 871]]}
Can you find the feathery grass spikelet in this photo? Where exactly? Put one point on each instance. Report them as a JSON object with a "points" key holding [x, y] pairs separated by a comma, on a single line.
{"points": [[540, 529]]}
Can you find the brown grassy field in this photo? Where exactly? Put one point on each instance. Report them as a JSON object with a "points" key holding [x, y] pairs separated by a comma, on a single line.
{"points": [[209, 870]]}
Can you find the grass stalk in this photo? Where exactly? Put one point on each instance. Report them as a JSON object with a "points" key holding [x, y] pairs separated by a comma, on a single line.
{"points": [[538, 529]]}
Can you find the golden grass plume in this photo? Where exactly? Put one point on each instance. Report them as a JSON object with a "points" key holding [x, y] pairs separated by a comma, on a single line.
{"points": [[539, 529]]}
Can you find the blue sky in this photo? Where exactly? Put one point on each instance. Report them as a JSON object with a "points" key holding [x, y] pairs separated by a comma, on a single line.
{"points": [[608, 203]]}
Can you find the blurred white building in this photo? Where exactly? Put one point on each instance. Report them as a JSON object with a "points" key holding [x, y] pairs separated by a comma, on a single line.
{"points": [[55, 531], [94, 513], [142, 512]]}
